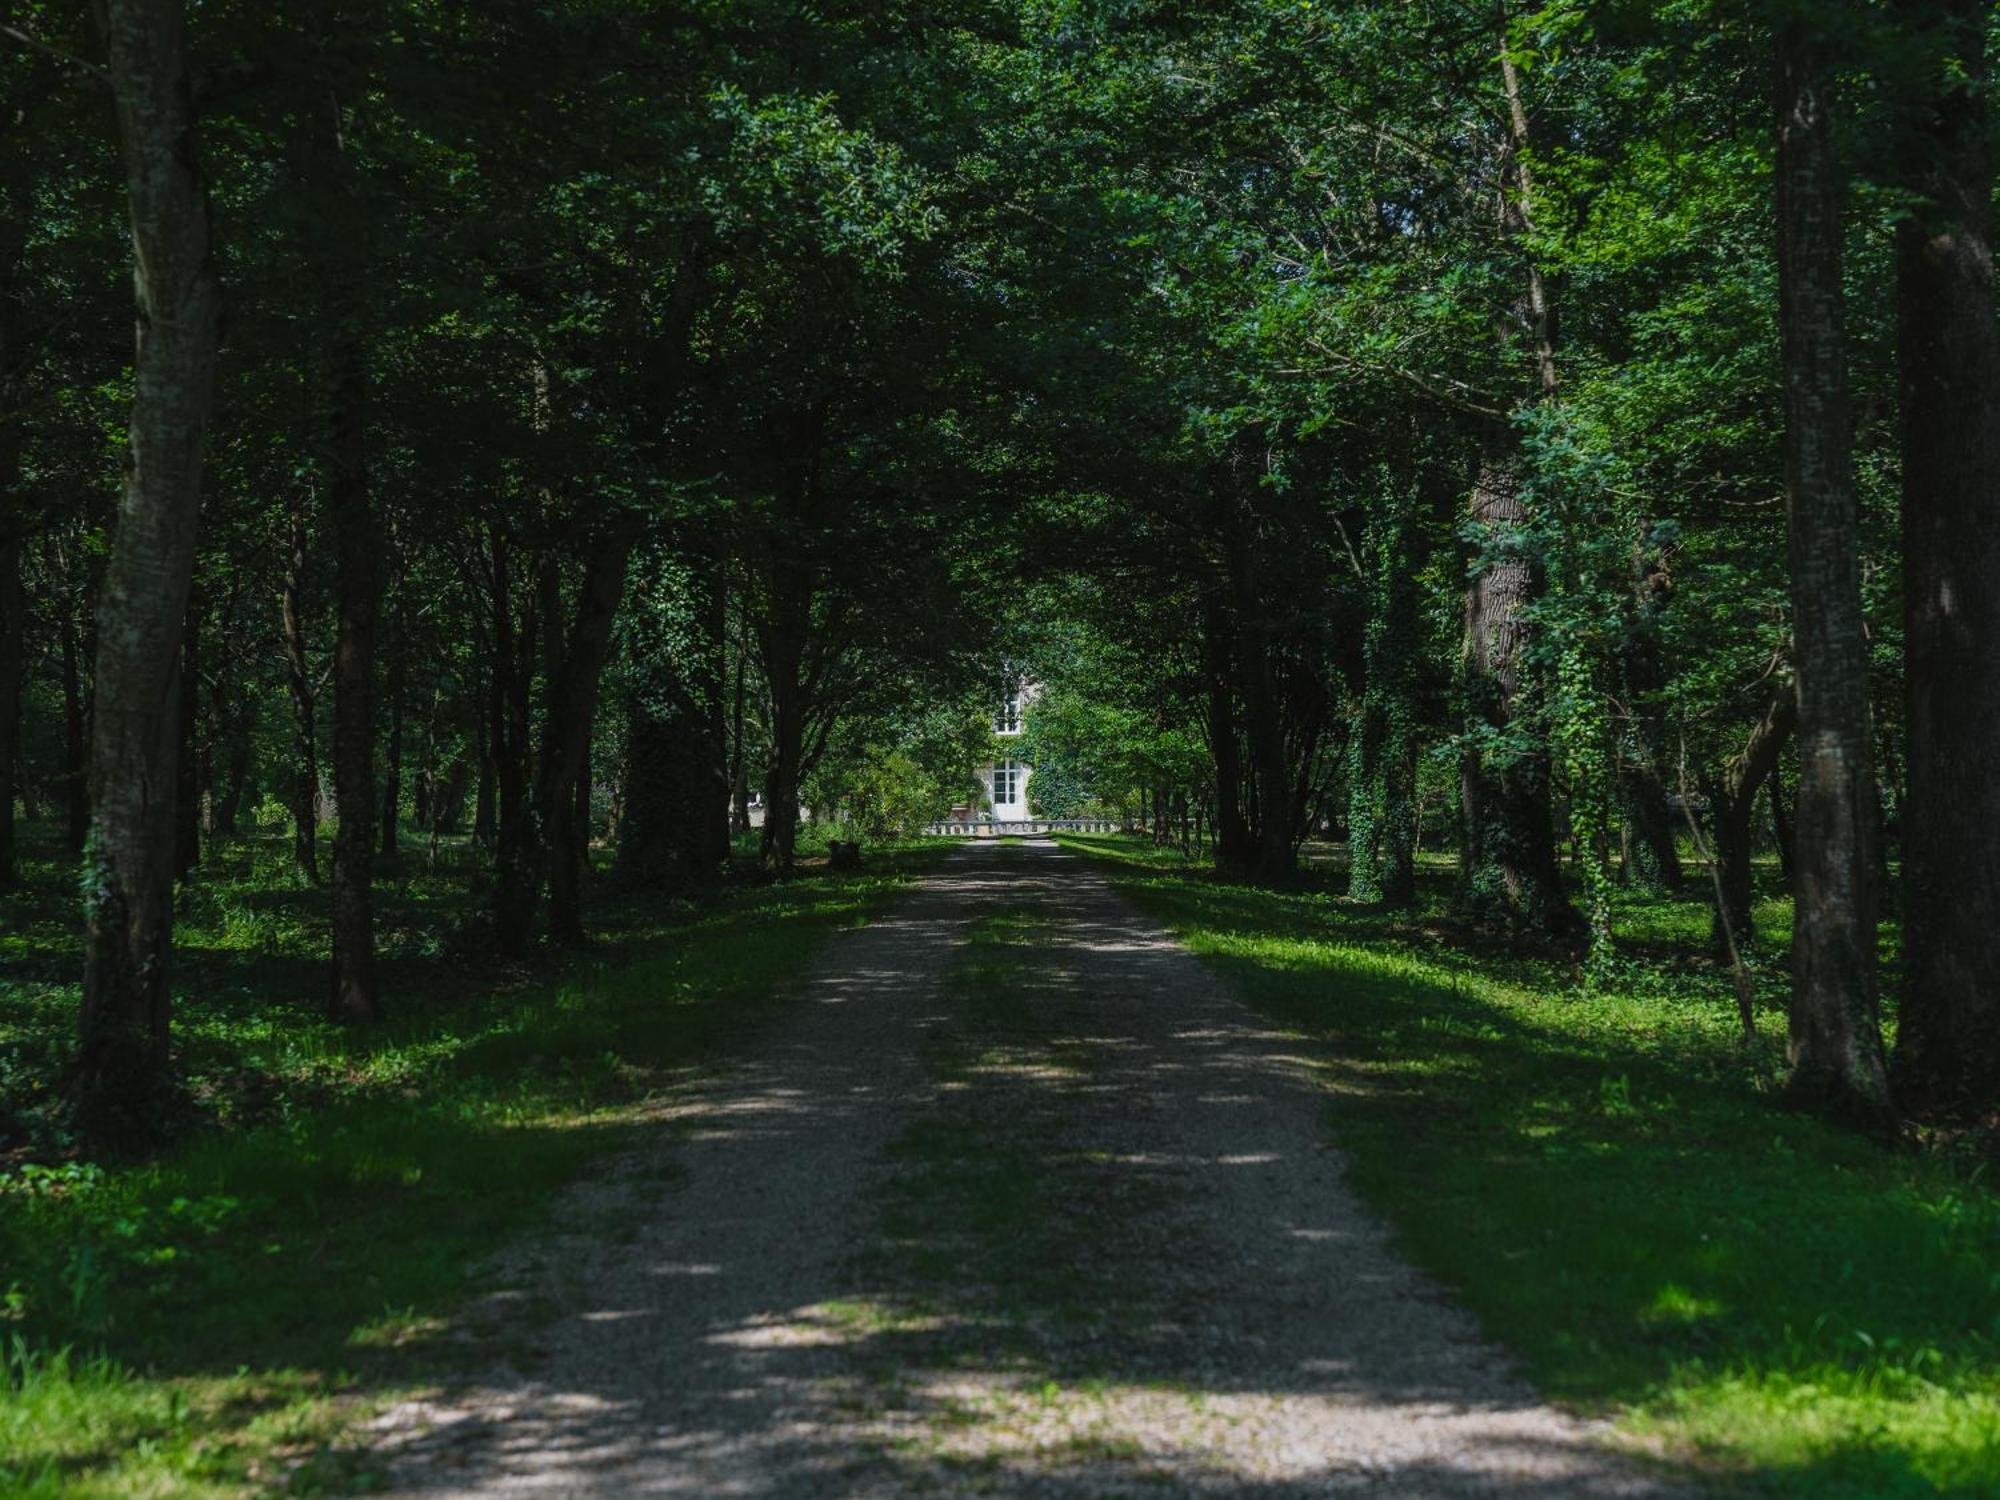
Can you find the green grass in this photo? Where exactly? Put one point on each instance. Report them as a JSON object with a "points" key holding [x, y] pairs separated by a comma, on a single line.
{"points": [[1610, 1183], [208, 1322]]}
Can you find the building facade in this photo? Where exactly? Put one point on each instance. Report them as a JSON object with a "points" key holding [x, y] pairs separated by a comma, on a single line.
{"points": [[1003, 781]]}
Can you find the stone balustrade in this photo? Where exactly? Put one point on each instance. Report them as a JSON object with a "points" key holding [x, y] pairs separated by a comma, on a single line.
{"points": [[987, 828]]}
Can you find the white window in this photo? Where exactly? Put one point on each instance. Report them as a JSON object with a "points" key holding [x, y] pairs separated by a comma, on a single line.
{"points": [[1008, 719], [1006, 783]]}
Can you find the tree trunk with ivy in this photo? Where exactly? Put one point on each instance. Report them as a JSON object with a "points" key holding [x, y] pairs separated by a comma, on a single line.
{"points": [[1383, 793], [1509, 876]]}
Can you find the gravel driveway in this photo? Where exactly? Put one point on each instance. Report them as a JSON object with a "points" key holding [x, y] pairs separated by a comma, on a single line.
{"points": [[1022, 1202]]}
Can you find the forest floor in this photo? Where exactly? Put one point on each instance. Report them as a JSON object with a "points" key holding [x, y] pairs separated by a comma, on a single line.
{"points": [[1023, 1202]]}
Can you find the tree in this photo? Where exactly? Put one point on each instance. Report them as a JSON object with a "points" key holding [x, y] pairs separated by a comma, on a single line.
{"points": [[1836, 1045], [1948, 344], [126, 999], [1508, 866]]}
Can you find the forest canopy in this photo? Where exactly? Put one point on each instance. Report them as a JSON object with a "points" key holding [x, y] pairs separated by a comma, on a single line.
{"points": [[1564, 437]]}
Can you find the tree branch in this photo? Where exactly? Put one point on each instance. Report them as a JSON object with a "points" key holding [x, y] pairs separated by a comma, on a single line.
{"points": [[67, 59]]}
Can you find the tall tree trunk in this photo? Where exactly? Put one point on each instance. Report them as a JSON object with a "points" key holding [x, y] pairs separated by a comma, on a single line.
{"points": [[229, 729], [1387, 771], [13, 613], [1263, 717], [1364, 800], [76, 781], [781, 794], [299, 688], [516, 843], [187, 794], [1836, 1044], [489, 734], [782, 640], [1642, 788], [1948, 1040], [126, 1010], [568, 721], [1657, 859], [392, 763], [1781, 825], [16, 201], [356, 601], [739, 751], [235, 778], [423, 786], [1508, 874], [1233, 850], [1733, 801], [1508, 871], [712, 787]]}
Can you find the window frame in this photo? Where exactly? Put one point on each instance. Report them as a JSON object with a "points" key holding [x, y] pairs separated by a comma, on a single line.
{"points": [[1010, 774]]}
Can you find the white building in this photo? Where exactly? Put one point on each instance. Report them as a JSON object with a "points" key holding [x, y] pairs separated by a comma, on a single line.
{"points": [[1003, 781]]}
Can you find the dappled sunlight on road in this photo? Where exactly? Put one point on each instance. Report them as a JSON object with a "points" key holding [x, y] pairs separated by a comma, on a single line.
{"points": [[1025, 1203]]}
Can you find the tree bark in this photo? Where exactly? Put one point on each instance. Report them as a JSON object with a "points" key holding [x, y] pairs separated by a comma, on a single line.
{"points": [[485, 806], [188, 783], [423, 786], [15, 357], [13, 613], [1508, 875], [76, 799], [357, 590], [1233, 850], [1273, 857], [299, 689], [126, 1010], [229, 794], [739, 751], [392, 760], [1508, 872], [1642, 788], [1835, 1045], [1733, 800], [1948, 1041], [569, 718], [1656, 857], [226, 738], [1781, 825], [782, 640], [515, 840], [1387, 773]]}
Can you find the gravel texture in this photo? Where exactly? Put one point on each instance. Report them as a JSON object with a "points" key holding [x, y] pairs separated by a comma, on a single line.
{"points": [[1034, 1208]]}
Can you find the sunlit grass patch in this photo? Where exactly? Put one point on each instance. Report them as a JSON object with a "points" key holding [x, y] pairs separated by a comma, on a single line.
{"points": [[1608, 1179], [300, 1255]]}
